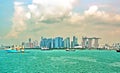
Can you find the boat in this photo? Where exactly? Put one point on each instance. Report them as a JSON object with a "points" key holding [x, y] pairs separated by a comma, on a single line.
{"points": [[118, 50], [13, 51], [44, 48], [70, 49], [10, 50], [67, 49]]}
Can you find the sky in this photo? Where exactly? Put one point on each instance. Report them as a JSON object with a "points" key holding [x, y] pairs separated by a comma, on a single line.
{"points": [[23, 19]]}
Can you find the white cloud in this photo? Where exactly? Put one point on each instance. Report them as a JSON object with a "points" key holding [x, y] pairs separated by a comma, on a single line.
{"points": [[91, 10], [63, 3], [28, 15], [38, 12], [98, 17], [94, 10], [18, 20], [18, 3], [35, 19], [48, 9]]}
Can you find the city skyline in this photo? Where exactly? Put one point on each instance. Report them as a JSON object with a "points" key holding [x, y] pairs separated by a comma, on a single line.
{"points": [[23, 19], [60, 43]]}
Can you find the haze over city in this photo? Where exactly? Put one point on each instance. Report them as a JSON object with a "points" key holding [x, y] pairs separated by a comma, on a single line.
{"points": [[23, 19]]}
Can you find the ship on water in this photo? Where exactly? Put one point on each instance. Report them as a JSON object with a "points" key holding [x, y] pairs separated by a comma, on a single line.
{"points": [[70, 49], [118, 50], [14, 49], [44, 48]]}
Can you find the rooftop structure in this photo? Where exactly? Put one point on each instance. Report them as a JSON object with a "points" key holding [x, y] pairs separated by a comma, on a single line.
{"points": [[90, 42]]}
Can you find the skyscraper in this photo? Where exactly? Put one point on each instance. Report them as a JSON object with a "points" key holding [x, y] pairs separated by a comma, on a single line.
{"points": [[90, 42], [74, 42], [43, 42], [96, 44], [46, 43], [35, 44], [49, 43], [29, 40], [58, 42], [67, 42], [84, 41], [30, 43]]}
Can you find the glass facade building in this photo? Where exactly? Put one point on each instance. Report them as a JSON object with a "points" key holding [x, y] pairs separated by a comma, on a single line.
{"points": [[67, 42]]}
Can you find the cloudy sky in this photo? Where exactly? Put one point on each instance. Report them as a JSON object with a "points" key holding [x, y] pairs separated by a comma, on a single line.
{"points": [[23, 19]]}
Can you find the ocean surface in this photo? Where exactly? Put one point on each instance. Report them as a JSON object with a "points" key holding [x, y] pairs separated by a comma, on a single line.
{"points": [[60, 61]]}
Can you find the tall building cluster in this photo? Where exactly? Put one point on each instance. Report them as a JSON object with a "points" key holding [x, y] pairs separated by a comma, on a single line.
{"points": [[46, 42], [67, 42], [90, 42], [114, 46], [31, 44], [58, 42]]}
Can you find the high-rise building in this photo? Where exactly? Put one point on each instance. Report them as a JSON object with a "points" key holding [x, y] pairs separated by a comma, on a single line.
{"points": [[74, 42], [67, 42], [46, 43], [28, 44], [84, 42], [49, 43], [58, 42], [43, 43], [72, 45], [90, 42], [23, 43], [35, 44], [29, 40], [96, 44]]}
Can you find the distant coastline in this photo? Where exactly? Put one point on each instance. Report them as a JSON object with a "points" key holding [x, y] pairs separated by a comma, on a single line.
{"points": [[70, 48], [66, 48]]}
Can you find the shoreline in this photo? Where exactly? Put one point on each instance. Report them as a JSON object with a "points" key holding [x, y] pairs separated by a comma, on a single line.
{"points": [[69, 48]]}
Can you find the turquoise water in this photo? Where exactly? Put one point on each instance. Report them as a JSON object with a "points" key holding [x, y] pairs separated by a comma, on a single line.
{"points": [[60, 61]]}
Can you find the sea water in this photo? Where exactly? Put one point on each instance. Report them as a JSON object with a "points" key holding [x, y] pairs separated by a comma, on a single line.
{"points": [[60, 61]]}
